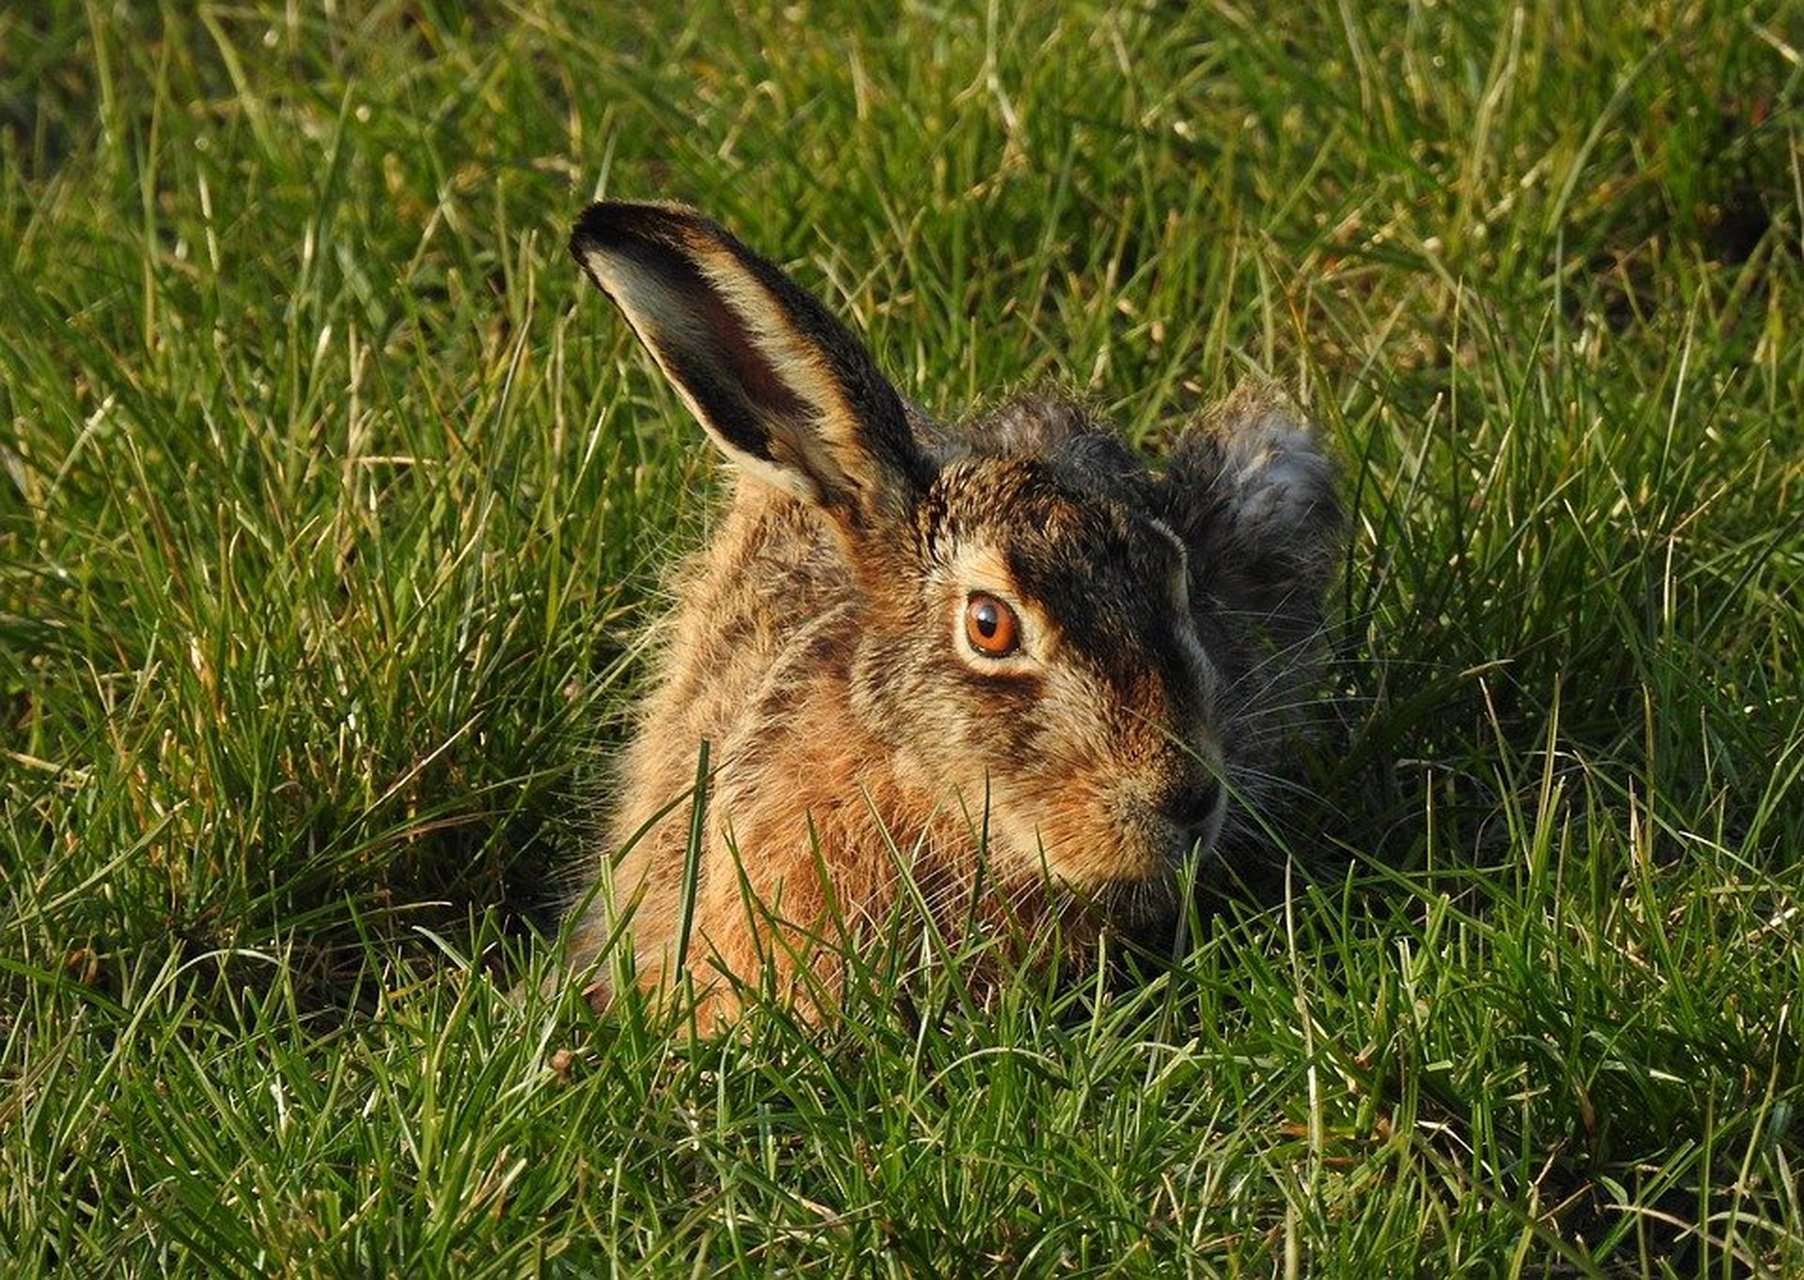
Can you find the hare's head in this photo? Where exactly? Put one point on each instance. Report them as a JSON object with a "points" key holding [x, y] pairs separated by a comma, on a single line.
{"points": [[1025, 641]]}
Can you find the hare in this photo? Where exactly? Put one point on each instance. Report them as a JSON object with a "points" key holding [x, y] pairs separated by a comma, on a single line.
{"points": [[1007, 661]]}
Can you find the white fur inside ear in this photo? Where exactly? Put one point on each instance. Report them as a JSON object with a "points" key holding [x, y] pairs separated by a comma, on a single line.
{"points": [[1276, 470], [793, 361], [663, 317]]}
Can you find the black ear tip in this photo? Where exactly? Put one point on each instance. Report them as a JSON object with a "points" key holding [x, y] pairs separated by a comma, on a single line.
{"points": [[610, 225]]}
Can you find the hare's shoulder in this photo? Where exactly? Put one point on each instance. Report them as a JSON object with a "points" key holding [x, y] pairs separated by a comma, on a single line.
{"points": [[746, 621], [750, 600], [771, 564]]}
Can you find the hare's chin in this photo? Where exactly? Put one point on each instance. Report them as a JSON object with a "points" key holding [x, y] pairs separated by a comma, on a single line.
{"points": [[1107, 865]]}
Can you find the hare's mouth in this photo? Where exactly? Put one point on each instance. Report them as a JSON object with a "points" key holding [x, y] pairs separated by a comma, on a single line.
{"points": [[1139, 843], [1118, 847]]}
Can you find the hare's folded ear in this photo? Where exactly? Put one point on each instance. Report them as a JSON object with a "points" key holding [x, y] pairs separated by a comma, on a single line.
{"points": [[779, 384], [1254, 496]]}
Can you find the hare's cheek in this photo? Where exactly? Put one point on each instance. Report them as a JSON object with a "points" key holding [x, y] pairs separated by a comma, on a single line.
{"points": [[1127, 807]]}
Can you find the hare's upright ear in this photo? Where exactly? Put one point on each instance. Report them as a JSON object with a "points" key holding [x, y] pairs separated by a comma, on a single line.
{"points": [[779, 384]]}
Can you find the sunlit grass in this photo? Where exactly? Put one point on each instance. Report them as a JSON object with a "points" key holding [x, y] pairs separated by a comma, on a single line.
{"points": [[331, 507]]}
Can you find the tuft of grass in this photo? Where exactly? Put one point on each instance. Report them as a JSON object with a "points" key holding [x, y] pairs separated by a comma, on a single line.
{"points": [[330, 511]]}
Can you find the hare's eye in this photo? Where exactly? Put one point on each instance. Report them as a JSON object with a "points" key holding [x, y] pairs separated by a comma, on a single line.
{"points": [[991, 627]]}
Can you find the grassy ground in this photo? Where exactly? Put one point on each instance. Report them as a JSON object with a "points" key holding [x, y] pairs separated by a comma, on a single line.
{"points": [[330, 503]]}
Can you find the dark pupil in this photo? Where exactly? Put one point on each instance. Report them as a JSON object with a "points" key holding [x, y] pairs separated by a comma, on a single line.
{"points": [[988, 618]]}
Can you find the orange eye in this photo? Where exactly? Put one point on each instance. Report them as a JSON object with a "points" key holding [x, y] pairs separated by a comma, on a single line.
{"points": [[991, 627]]}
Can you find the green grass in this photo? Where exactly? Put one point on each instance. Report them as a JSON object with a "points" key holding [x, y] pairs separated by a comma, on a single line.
{"points": [[331, 502]]}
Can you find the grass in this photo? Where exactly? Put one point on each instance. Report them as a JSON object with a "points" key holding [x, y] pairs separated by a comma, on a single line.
{"points": [[331, 504]]}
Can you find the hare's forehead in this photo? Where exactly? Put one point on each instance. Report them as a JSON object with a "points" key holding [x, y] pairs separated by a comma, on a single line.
{"points": [[1000, 523]]}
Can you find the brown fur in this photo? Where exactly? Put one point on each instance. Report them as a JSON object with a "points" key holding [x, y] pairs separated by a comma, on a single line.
{"points": [[1167, 625]]}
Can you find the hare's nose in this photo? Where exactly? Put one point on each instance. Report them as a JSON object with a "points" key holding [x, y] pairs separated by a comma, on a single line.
{"points": [[1195, 808]]}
